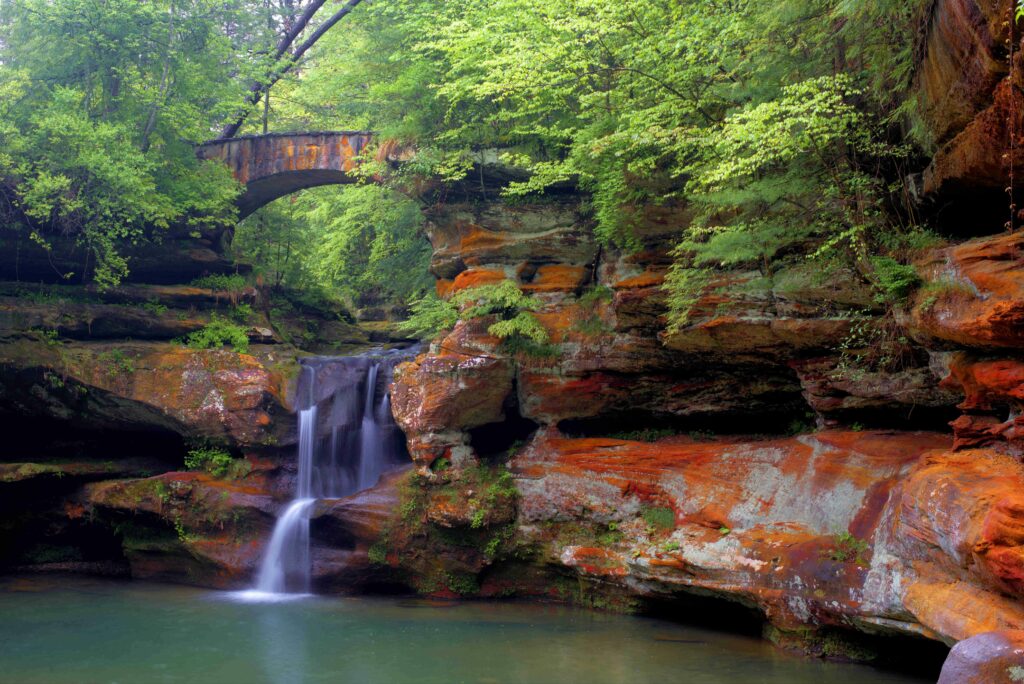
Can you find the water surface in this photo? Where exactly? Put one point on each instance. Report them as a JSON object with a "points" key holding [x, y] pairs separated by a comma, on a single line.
{"points": [[58, 630]]}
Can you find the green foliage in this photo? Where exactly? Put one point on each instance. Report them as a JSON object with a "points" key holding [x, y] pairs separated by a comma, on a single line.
{"points": [[213, 460], [801, 425], [592, 325], [49, 336], [348, 241], [494, 545], [231, 283], [463, 583], [659, 518], [893, 280], [378, 551], [873, 345], [847, 548], [944, 288], [218, 333], [523, 326], [518, 329], [117, 362], [596, 295], [504, 299], [430, 316], [241, 312], [97, 104], [612, 536]]}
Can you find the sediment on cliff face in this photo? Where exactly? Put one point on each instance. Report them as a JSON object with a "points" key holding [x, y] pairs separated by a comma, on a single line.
{"points": [[744, 457]]}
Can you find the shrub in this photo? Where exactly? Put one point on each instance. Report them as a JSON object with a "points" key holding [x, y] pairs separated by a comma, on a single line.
{"points": [[519, 331], [154, 307], [213, 460], [221, 283], [241, 312], [504, 299], [217, 333], [118, 363], [893, 280], [430, 316]]}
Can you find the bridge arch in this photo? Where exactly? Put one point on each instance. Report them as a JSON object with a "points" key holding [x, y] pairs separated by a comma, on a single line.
{"points": [[276, 164]]}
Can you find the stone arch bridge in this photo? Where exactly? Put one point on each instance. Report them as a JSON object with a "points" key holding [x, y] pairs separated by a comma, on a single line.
{"points": [[276, 164]]}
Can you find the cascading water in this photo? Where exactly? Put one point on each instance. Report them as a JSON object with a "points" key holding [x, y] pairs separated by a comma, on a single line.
{"points": [[343, 449]]}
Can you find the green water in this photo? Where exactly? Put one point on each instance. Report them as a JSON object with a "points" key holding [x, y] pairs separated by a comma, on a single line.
{"points": [[57, 630]]}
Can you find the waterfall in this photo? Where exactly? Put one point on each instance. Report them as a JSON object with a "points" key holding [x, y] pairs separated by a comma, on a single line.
{"points": [[286, 563], [343, 449], [370, 447]]}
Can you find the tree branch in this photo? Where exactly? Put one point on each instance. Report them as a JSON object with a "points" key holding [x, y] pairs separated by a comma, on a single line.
{"points": [[285, 64]]}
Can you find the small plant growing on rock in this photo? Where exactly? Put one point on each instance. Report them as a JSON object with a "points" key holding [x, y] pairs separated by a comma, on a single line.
{"points": [[153, 306], [595, 295], [464, 584], [517, 327], [658, 518], [943, 288], [612, 536], [847, 548], [213, 460], [799, 426], [218, 333], [893, 280], [430, 316], [378, 552], [49, 336], [118, 363], [241, 312]]}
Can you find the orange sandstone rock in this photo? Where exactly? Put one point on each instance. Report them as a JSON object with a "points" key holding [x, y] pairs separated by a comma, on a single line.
{"points": [[977, 295]]}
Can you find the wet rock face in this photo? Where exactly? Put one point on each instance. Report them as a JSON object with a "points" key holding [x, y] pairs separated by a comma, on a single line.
{"points": [[216, 394], [968, 103], [989, 658], [504, 238], [970, 313], [795, 526], [186, 527], [882, 531], [974, 297], [891, 532], [603, 310]]}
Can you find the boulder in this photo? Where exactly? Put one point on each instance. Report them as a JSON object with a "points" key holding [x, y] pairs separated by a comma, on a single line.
{"points": [[987, 658]]}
